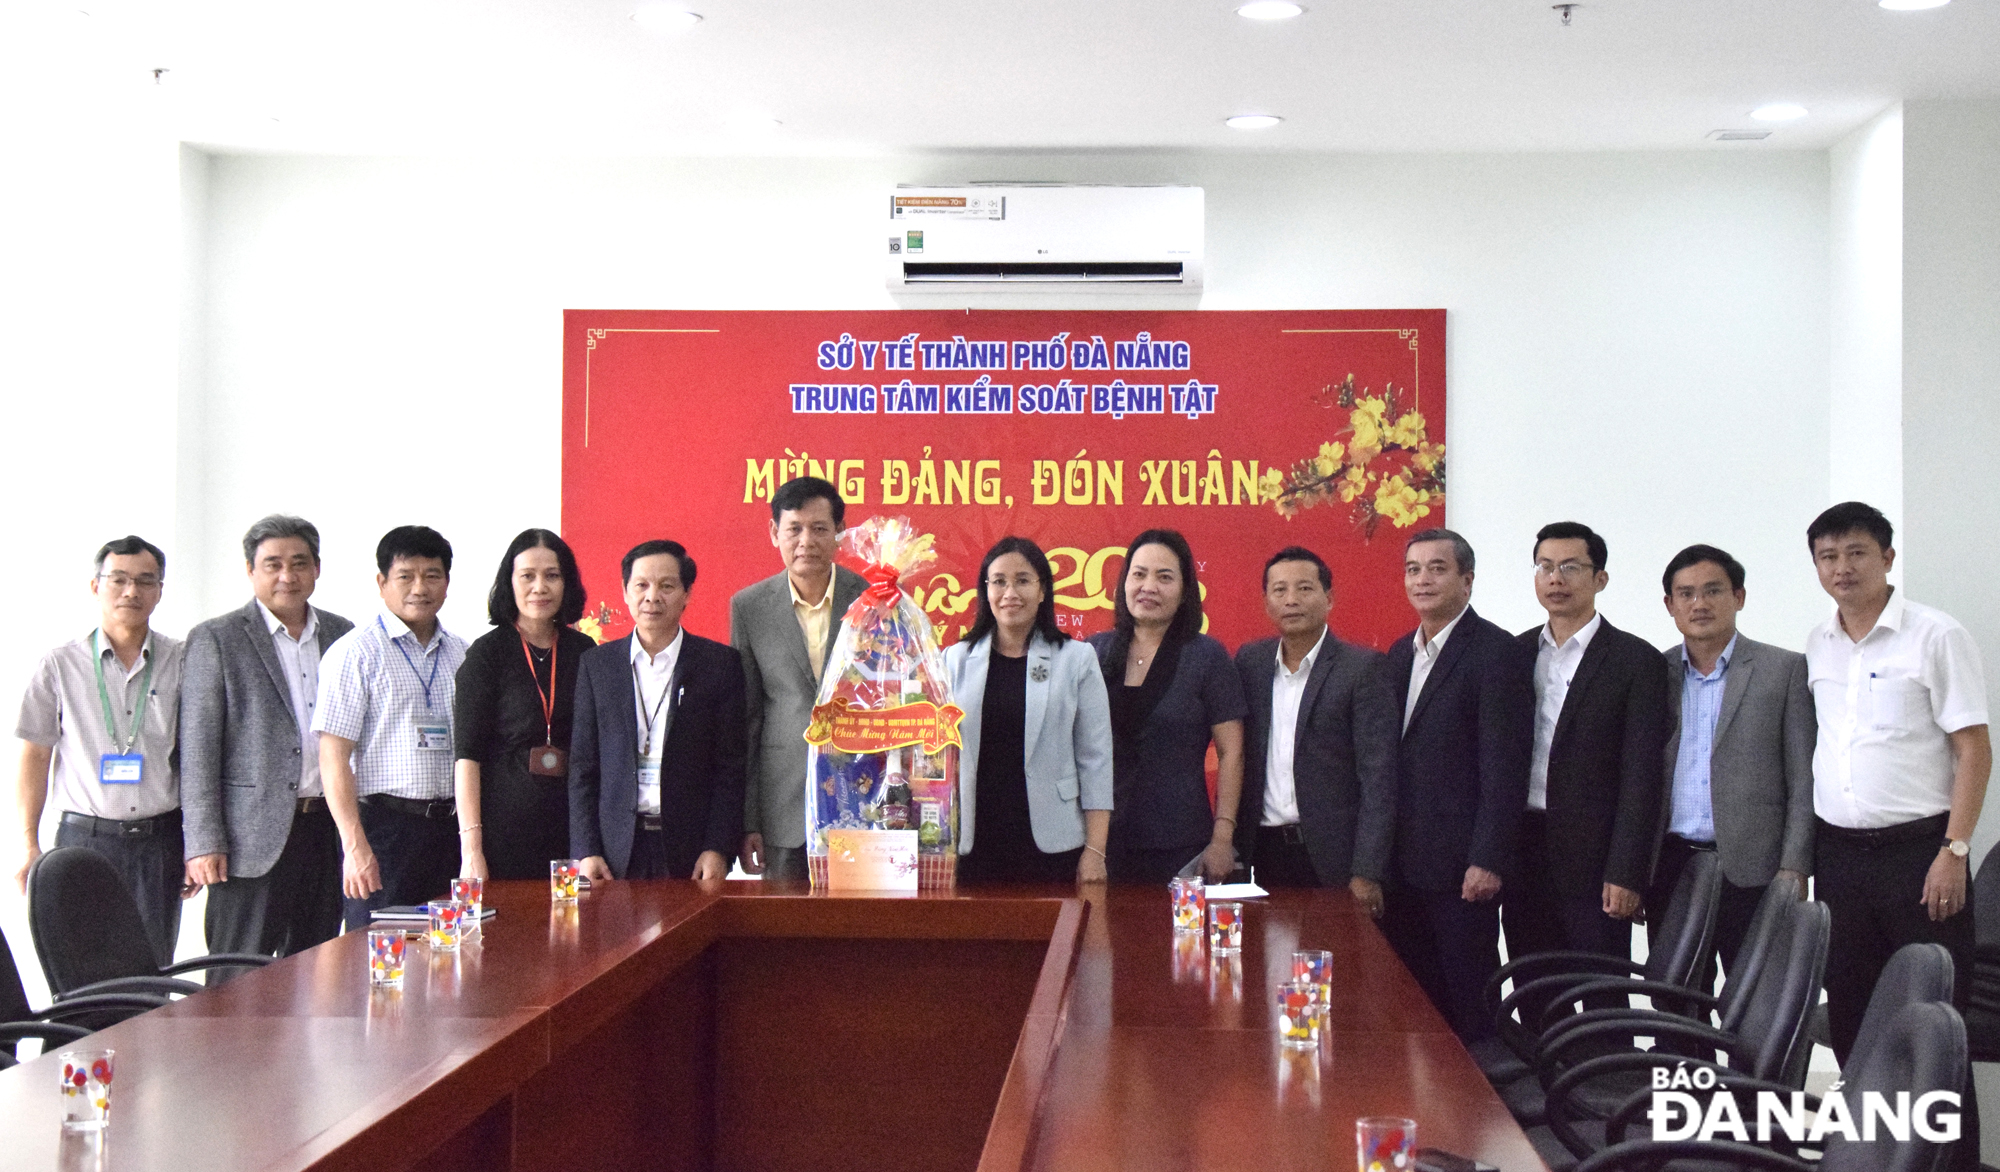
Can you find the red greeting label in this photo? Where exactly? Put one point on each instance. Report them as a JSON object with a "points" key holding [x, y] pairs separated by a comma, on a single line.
{"points": [[863, 730]]}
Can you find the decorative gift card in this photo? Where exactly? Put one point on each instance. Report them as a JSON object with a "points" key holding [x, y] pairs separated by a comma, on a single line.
{"points": [[871, 860]]}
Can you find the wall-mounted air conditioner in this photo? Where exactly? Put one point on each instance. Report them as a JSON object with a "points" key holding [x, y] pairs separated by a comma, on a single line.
{"points": [[1041, 239]]}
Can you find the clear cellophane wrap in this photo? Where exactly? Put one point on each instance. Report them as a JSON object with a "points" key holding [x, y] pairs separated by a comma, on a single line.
{"points": [[885, 669]]}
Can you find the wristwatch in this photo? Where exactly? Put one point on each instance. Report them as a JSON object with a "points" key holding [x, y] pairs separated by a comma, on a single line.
{"points": [[1958, 846]]}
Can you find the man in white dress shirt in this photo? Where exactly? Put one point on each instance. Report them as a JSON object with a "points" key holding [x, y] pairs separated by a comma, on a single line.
{"points": [[1899, 772]]}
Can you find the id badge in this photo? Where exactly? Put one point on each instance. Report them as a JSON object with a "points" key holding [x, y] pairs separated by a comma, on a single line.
{"points": [[548, 761], [121, 768], [433, 738], [649, 786]]}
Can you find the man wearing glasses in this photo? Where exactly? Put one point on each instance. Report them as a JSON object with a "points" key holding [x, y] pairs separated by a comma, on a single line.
{"points": [[1739, 758], [1594, 780], [98, 731]]}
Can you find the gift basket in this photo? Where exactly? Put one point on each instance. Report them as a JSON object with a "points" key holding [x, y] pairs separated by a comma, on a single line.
{"points": [[882, 748]]}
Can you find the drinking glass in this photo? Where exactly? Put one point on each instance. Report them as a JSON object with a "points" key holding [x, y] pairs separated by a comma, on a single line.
{"points": [[447, 924], [1314, 966], [472, 893], [562, 880], [86, 1089], [1225, 927], [385, 956], [1386, 1143], [1298, 1015], [1190, 907]]}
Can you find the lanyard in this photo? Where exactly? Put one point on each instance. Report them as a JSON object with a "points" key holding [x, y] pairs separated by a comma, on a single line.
{"points": [[435, 664], [549, 700], [104, 697], [646, 749]]}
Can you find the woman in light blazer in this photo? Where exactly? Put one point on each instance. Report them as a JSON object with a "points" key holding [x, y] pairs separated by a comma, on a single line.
{"points": [[1034, 776]]}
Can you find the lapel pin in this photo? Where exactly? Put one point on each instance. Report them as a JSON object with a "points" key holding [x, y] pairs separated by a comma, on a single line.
{"points": [[1039, 673]]}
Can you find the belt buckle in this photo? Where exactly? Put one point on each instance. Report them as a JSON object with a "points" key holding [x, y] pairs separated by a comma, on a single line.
{"points": [[136, 829], [437, 809], [650, 822]]}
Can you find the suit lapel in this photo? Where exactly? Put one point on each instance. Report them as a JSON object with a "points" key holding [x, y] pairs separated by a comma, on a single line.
{"points": [[1329, 649], [1734, 685], [1040, 655], [795, 635], [260, 639], [1593, 659], [845, 591], [1454, 650]]}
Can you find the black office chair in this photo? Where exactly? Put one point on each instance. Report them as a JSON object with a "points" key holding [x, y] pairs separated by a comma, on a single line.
{"points": [[58, 1025], [1547, 984], [87, 932], [1982, 1011], [1590, 1093], [1921, 1049]]}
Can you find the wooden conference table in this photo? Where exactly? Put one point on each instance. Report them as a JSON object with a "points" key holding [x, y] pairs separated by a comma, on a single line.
{"points": [[745, 1026]]}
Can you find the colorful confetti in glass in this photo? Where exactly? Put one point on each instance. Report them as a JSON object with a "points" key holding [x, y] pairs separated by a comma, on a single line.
{"points": [[1190, 906], [1298, 1014], [447, 924], [1225, 927], [472, 893], [562, 880], [385, 956], [1386, 1144], [1314, 967], [86, 1089]]}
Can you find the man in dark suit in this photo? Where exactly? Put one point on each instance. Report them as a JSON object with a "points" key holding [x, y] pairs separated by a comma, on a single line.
{"points": [[1461, 685], [1739, 748], [1594, 784], [258, 830], [657, 748], [1319, 778], [784, 628]]}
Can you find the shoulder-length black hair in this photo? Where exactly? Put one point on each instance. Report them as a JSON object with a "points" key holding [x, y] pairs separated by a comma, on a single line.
{"points": [[500, 606], [1187, 620], [1045, 614]]}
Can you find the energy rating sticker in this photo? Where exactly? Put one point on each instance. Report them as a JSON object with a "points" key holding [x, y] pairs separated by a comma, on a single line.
{"points": [[862, 730]]}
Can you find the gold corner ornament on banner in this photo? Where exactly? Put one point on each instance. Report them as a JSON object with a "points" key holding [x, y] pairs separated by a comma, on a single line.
{"points": [[863, 730]]}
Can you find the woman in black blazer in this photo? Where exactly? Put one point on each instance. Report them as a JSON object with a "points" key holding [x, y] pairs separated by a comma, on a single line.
{"points": [[511, 719], [1173, 691]]}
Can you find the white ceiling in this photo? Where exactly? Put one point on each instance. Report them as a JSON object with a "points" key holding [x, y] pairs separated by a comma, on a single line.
{"points": [[879, 76]]}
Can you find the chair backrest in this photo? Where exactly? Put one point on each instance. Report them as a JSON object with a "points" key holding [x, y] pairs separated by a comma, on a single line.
{"points": [[1986, 898], [84, 923], [1679, 949], [1772, 1038], [1921, 1049], [1766, 923], [13, 998], [1918, 972]]}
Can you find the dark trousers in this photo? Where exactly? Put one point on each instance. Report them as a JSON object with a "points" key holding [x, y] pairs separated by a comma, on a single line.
{"points": [[785, 862], [1147, 865], [1733, 913], [152, 867], [418, 856], [650, 858], [1452, 947], [1872, 883], [1282, 859], [291, 907], [1541, 919]]}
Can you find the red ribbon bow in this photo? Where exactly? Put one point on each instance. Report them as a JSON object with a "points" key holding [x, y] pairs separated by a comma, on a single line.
{"points": [[882, 581]]}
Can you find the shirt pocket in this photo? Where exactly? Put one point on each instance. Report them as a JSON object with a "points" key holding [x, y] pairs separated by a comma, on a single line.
{"points": [[1066, 787], [1899, 703]]}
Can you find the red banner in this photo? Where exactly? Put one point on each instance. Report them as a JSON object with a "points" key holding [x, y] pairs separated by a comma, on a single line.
{"points": [[866, 730], [1246, 431]]}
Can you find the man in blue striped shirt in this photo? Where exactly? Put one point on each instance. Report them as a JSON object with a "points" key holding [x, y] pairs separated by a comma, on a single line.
{"points": [[1739, 764]]}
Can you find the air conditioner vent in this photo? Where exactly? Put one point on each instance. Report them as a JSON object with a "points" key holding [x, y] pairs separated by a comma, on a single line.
{"points": [[1738, 135], [917, 272]]}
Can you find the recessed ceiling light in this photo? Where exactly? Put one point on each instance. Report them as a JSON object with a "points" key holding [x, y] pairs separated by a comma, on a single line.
{"points": [[1912, 5], [1269, 10], [667, 17], [1252, 121], [1778, 112]]}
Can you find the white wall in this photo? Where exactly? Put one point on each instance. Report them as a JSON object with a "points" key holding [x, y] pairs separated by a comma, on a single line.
{"points": [[1866, 378], [1636, 341]]}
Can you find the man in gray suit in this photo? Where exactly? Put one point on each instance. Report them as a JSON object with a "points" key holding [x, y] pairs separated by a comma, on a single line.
{"points": [[1739, 761], [1319, 762], [784, 628], [258, 830]]}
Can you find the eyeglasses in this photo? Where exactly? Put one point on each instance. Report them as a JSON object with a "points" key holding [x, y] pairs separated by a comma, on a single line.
{"points": [[119, 582], [1714, 592], [1567, 571]]}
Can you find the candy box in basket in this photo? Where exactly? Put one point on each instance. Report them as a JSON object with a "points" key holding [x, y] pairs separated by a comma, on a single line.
{"points": [[882, 748]]}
